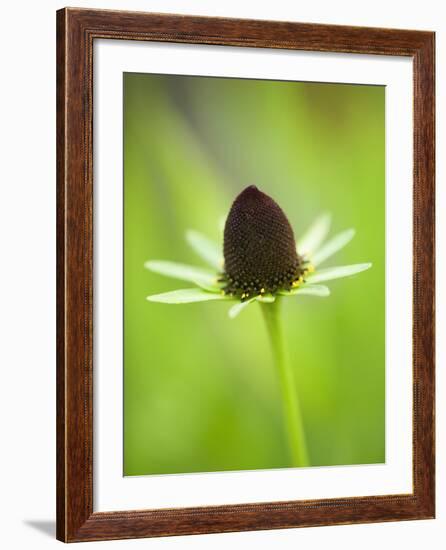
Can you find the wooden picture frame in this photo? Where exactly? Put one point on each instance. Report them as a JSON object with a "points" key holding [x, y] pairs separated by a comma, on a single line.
{"points": [[77, 29]]}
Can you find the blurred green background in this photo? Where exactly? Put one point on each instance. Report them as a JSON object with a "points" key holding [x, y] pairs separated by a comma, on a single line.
{"points": [[200, 391]]}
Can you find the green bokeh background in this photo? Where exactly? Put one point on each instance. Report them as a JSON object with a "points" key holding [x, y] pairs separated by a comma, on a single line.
{"points": [[200, 391]]}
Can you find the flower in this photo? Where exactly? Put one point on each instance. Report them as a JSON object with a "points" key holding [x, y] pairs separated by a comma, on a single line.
{"points": [[262, 263], [261, 260]]}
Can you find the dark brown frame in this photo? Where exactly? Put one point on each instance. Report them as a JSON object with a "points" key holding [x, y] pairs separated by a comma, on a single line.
{"points": [[76, 31]]}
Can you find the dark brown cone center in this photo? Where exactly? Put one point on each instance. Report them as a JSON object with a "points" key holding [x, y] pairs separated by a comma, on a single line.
{"points": [[259, 246]]}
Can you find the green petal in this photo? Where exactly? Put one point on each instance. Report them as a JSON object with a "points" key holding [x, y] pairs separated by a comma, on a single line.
{"points": [[266, 299], [332, 246], [314, 236], [207, 249], [336, 272], [183, 272], [208, 287], [185, 296], [237, 308], [310, 290]]}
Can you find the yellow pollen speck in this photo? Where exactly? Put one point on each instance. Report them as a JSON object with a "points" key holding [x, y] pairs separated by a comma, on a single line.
{"points": [[223, 292], [262, 291], [296, 283], [310, 268]]}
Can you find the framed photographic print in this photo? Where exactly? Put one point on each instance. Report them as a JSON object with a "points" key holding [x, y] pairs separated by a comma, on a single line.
{"points": [[245, 275]]}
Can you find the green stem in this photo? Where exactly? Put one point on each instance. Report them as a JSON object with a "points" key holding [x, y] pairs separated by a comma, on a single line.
{"points": [[291, 409]]}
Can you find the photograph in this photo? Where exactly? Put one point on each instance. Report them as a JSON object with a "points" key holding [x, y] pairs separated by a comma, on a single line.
{"points": [[254, 274]]}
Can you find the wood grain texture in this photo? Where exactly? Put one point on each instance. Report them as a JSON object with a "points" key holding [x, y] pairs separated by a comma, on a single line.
{"points": [[76, 31]]}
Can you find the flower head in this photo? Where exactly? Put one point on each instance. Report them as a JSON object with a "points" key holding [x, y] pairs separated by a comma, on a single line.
{"points": [[261, 259], [259, 248]]}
